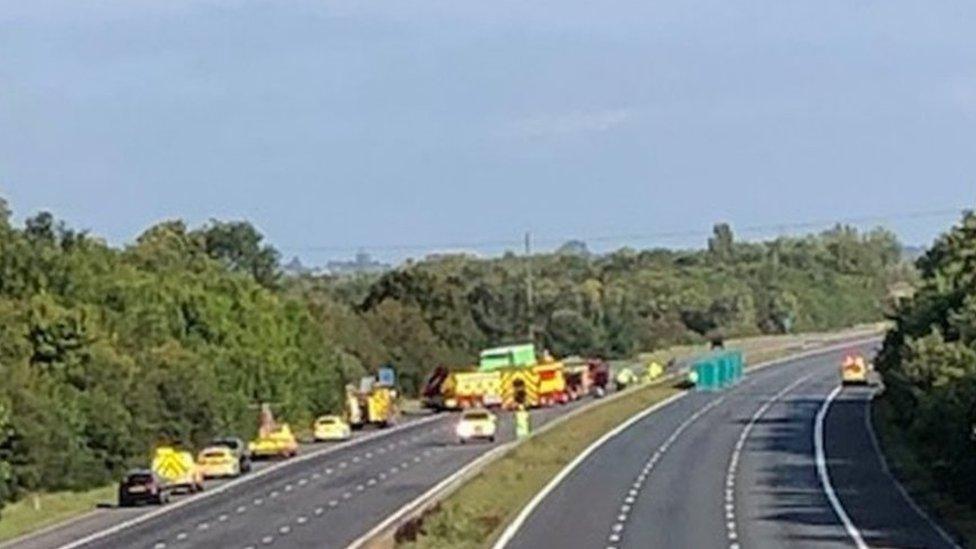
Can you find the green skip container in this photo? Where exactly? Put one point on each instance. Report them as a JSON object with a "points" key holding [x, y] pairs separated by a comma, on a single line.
{"points": [[718, 370]]}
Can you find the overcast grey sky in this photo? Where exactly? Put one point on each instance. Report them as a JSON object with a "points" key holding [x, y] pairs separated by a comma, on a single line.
{"points": [[337, 124]]}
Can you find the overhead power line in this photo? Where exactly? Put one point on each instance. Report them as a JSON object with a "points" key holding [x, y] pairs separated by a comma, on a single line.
{"points": [[515, 243]]}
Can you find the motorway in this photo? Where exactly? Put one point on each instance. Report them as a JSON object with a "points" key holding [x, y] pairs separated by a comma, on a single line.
{"points": [[660, 483], [737, 469], [328, 499]]}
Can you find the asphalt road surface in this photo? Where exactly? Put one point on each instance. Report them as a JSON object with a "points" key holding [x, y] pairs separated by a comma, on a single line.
{"points": [[737, 469], [326, 501]]}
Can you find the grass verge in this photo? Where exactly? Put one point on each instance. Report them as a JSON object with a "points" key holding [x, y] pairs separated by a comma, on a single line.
{"points": [[914, 476], [33, 513], [476, 513], [473, 515]]}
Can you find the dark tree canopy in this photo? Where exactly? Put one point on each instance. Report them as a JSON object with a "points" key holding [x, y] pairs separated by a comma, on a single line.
{"points": [[929, 361]]}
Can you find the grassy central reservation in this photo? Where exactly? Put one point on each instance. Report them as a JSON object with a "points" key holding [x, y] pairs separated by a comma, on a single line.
{"points": [[475, 515]]}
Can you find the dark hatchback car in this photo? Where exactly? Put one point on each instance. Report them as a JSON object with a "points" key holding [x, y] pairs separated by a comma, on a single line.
{"points": [[142, 486], [239, 448]]}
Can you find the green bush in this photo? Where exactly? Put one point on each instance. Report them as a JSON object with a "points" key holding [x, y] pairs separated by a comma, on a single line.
{"points": [[929, 362]]}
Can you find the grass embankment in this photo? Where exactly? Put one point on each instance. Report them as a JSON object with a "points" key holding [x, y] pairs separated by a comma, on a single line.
{"points": [[915, 477], [475, 514], [33, 513]]}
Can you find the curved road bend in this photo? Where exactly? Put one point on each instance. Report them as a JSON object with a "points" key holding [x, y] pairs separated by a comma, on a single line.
{"points": [[326, 501], [678, 480]]}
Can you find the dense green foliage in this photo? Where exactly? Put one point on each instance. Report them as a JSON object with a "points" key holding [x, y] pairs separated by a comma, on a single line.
{"points": [[929, 362], [105, 352], [626, 301]]}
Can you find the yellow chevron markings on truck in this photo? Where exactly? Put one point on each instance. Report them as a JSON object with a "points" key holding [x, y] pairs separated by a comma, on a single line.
{"points": [[514, 379], [170, 465]]}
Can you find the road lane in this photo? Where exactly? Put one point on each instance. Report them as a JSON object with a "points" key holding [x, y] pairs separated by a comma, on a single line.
{"points": [[257, 510], [624, 496], [105, 518], [308, 517], [327, 501], [779, 500], [878, 507]]}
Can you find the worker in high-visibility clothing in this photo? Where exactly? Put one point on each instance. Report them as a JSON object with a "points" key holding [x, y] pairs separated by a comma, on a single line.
{"points": [[523, 426], [624, 378], [654, 371]]}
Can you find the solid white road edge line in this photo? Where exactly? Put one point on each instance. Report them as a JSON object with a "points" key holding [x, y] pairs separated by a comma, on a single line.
{"points": [[901, 489], [515, 525], [509, 532], [244, 479], [821, 459]]}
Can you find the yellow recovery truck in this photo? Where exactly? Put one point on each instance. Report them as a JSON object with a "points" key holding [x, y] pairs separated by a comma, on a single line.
{"points": [[458, 390], [274, 439], [373, 402]]}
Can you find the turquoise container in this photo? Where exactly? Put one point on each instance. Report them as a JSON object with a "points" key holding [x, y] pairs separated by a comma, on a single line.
{"points": [[718, 370]]}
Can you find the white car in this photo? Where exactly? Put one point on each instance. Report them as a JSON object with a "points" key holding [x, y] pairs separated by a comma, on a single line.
{"points": [[476, 424]]}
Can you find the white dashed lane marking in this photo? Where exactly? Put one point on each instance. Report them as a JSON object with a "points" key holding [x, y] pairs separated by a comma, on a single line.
{"points": [[633, 492], [318, 511], [732, 530]]}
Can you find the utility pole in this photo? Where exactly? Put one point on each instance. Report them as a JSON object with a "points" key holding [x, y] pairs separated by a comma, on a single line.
{"points": [[529, 301]]}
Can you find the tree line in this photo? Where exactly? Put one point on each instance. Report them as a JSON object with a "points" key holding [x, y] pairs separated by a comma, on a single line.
{"points": [[178, 336], [929, 362]]}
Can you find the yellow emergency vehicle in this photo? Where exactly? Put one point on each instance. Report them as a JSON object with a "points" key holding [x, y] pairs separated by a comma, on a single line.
{"points": [[218, 461], [854, 370], [177, 469]]}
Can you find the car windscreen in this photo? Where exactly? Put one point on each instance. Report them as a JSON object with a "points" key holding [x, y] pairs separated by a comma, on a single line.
{"points": [[476, 416], [226, 443], [139, 478]]}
